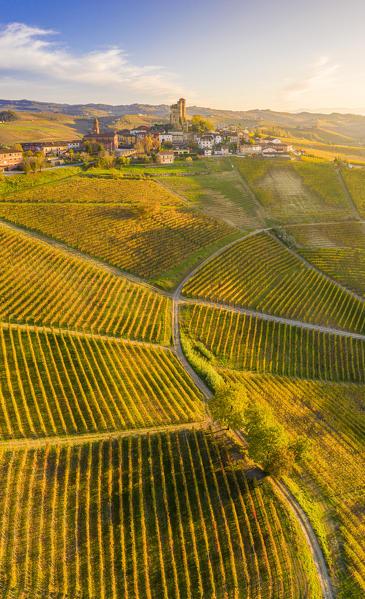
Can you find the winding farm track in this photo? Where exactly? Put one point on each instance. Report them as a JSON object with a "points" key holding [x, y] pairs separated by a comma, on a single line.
{"points": [[316, 551]]}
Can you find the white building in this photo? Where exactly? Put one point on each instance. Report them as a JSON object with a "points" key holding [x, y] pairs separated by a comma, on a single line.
{"points": [[248, 150], [165, 137], [206, 142]]}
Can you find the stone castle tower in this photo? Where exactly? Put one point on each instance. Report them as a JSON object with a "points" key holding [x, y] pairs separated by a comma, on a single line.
{"points": [[96, 129], [178, 114]]}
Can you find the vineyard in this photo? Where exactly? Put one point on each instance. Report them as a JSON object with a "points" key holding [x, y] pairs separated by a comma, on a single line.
{"points": [[220, 194], [117, 234], [52, 287], [332, 416], [251, 343], [62, 383], [355, 183], [302, 191], [334, 235], [260, 274], [90, 189], [345, 265], [159, 516]]}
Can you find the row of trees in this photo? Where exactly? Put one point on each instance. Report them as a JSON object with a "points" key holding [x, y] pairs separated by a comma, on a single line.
{"points": [[268, 442]]}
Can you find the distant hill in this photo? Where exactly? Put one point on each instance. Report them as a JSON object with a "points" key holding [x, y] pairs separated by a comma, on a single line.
{"points": [[75, 119]]}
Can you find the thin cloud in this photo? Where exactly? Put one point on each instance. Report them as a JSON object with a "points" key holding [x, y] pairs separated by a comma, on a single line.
{"points": [[28, 50], [320, 76]]}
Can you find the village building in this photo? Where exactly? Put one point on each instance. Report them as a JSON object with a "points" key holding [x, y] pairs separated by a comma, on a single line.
{"points": [[75, 144], [205, 141], [126, 137], [165, 157], [165, 137], [125, 152], [248, 150], [10, 159]]}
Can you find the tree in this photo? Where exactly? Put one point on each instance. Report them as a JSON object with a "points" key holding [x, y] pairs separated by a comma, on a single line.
{"points": [[280, 462], [301, 448], [264, 436], [17, 148], [228, 406], [200, 125], [6, 116]]}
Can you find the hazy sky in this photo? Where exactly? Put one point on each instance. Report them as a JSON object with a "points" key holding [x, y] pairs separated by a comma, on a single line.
{"points": [[237, 54]]}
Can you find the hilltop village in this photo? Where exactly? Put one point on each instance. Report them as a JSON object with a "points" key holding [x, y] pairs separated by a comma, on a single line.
{"points": [[181, 139]]}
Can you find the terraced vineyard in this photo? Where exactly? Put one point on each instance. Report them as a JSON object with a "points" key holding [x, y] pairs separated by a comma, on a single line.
{"points": [[260, 274], [160, 516], [332, 416], [346, 265], [251, 343], [52, 287], [116, 234], [303, 191], [61, 383]]}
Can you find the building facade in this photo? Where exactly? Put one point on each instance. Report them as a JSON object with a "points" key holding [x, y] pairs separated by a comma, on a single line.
{"points": [[9, 159], [166, 157], [108, 140]]}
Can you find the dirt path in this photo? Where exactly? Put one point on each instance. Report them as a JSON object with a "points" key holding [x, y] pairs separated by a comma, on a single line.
{"points": [[19, 444], [316, 551], [76, 333], [264, 316], [59, 245]]}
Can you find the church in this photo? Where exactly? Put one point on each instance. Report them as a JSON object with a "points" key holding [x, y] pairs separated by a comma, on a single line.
{"points": [[108, 139]]}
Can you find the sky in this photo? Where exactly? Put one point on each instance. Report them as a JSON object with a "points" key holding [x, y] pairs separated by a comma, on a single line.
{"points": [[234, 54]]}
